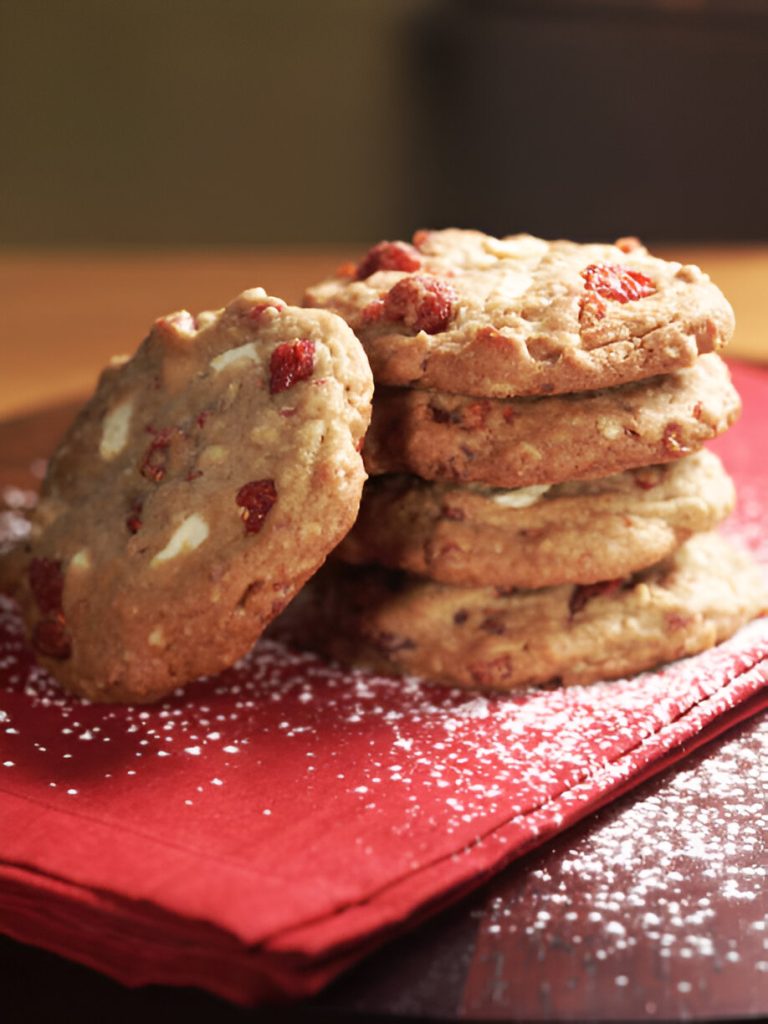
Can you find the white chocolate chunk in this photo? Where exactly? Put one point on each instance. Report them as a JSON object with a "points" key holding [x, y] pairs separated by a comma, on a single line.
{"points": [[521, 497], [180, 324], [609, 428], [81, 560], [213, 455], [207, 318], [529, 452], [115, 429], [189, 535], [519, 248], [157, 638], [234, 355], [264, 434]]}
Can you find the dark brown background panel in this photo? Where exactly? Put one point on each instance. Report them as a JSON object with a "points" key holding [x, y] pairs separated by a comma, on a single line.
{"points": [[270, 121], [202, 121], [595, 119]]}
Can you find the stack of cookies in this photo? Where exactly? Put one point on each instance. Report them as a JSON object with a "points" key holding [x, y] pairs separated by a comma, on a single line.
{"points": [[540, 507]]}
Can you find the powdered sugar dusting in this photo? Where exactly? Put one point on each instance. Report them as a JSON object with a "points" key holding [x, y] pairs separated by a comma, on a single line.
{"points": [[664, 890], [467, 759], [15, 503]]}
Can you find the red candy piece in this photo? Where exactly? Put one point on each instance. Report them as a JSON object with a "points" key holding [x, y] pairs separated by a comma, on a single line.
{"points": [[255, 312], [346, 269], [672, 440], [422, 302], [617, 282], [291, 362], [133, 522], [46, 581], [153, 464], [474, 415], [50, 637], [388, 256], [674, 620], [647, 480], [175, 324], [580, 595], [255, 500], [591, 309], [628, 243], [373, 311], [456, 515]]}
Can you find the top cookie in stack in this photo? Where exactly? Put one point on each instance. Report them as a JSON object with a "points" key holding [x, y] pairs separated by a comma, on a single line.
{"points": [[542, 404], [463, 312]]}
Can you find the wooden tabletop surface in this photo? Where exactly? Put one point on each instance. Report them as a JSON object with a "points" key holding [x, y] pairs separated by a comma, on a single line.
{"points": [[64, 313]]}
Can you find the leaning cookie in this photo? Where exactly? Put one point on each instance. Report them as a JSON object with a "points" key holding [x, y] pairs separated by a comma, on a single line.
{"points": [[207, 478], [477, 637], [461, 311], [517, 442], [576, 532]]}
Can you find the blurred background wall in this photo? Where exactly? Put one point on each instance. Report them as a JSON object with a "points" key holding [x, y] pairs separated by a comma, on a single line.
{"points": [[166, 122]]}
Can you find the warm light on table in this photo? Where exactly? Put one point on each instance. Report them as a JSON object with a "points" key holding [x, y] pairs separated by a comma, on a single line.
{"points": [[65, 312]]}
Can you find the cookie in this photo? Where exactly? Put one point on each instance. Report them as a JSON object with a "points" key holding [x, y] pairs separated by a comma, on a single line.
{"points": [[575, 532], [203, 483], [480, 637], [523, 441], [461, 311]]}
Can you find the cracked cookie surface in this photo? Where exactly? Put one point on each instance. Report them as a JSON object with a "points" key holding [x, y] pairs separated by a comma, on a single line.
{"points": [[461, 311], [203, 483], [575, 532]]}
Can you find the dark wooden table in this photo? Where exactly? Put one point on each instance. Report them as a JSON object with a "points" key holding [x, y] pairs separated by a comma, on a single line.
{"points": [[653, 909]]}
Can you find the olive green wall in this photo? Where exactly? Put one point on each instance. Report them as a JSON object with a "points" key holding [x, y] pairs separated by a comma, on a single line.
{"points": [[205, 121], [173, 122]]}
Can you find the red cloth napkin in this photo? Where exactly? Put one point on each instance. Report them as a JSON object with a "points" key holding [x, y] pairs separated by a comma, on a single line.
{"points": [[259, 832]]}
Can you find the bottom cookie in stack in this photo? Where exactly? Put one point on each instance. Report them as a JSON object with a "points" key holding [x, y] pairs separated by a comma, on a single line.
{"points": [[392, 622]]}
